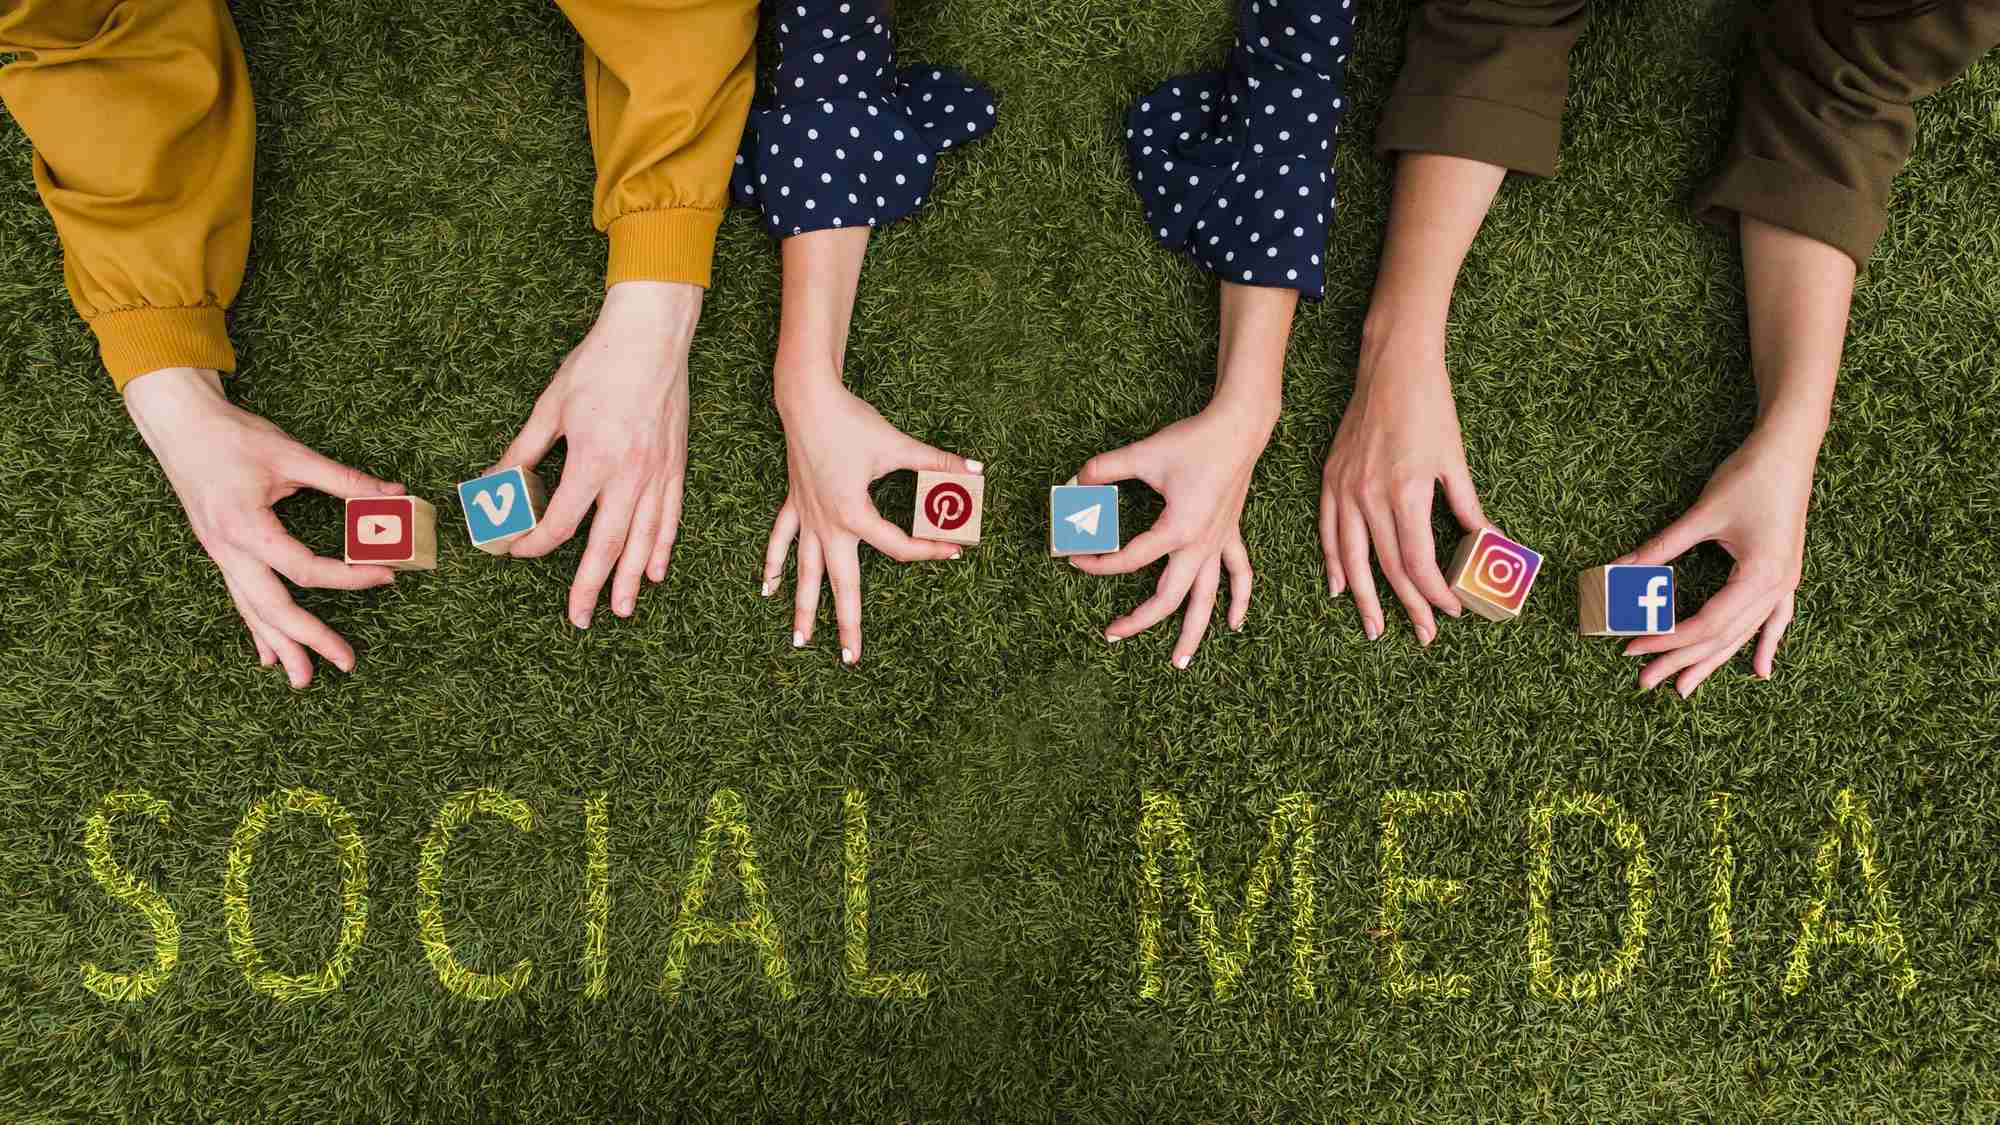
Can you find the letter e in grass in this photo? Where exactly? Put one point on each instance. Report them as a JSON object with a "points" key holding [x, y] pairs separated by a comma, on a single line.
{"points": [[1399, 889]]}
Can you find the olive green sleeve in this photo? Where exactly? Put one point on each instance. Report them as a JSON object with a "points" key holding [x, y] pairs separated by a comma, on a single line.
{"points": [[1827, 119], [1485, 80]]}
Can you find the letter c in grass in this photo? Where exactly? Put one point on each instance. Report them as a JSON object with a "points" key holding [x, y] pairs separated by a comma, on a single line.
{"points": [[452, 973]]}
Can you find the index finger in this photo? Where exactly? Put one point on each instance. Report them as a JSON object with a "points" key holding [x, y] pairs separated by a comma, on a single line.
{"points": [[273, 546]]}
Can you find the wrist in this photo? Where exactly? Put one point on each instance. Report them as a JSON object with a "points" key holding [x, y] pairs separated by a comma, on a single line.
{"points": [[1254, 407], [172, 391], [1800, 423], [657, 308], [800, 375]]}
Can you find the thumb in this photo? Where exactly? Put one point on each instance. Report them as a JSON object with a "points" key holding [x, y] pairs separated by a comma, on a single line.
{"points": [[1675, 540], [1112, 467], [1464, 499], [928, 458], [313, 469]]}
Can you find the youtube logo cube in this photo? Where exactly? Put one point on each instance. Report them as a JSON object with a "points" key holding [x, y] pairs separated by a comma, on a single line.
{"points": [[399, 532]]}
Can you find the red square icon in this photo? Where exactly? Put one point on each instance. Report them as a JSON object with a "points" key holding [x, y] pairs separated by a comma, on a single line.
{"points": [[381, 529]]}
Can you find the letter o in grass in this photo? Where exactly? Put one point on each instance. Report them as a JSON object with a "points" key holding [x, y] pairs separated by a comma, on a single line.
{"points": [[353, 894]]}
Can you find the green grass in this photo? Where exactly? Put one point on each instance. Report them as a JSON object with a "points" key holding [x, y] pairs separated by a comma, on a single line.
{"points": [[423, 258]]}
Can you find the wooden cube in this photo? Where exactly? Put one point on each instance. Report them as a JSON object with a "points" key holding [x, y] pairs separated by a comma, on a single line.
{"points": [[502, 506], [1492, 574], [949, 507], [1083, 519], [399, 532], [1625, 601]]}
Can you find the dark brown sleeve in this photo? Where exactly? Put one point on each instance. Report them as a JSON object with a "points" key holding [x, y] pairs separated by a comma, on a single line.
{"points": [[1486, 80], [1826, 119]]}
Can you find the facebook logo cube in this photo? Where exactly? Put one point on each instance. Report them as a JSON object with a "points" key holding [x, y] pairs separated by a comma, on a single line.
{"points": [[1628, 601]]}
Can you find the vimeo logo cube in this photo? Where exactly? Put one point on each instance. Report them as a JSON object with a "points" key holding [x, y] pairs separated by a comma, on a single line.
{"points": [[1627, 601], [501, 507]]}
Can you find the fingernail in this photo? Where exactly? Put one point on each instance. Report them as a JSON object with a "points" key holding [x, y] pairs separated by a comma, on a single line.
{"points": [[954, 556], [798, 639], [847, 656], [1456, 611], [1685, 692], [1426, 634], [1113, 637], [582, 620], [770, 584], [1373, 630], [625, 607], [972, 466], [1181, 662], [1069, 482]]}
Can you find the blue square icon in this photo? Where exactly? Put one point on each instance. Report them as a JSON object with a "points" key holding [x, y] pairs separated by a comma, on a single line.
{"points": [[501, 505], [1639, 600], [1083, 519]]}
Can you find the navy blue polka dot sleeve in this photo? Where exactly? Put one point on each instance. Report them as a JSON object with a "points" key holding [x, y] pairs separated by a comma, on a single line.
{"points": [[843, 137], [1236, 166]]}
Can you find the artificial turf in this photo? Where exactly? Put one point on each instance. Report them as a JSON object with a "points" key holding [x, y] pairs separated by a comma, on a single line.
{"points": [[423, 259]]}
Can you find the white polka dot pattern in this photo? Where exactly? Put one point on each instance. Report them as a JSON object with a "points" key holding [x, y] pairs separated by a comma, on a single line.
{"points": [[1236, 167], [844, 137]]}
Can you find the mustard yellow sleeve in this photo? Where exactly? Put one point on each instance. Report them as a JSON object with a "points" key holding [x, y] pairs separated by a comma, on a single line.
{"points": [[668, 84], [143, 129]]}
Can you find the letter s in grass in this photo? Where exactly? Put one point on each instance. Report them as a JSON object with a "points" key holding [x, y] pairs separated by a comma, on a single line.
{"points": [[120, 885]]}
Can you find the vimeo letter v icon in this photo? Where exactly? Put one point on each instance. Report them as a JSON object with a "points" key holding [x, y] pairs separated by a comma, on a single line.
{"points": [[497, 513]]}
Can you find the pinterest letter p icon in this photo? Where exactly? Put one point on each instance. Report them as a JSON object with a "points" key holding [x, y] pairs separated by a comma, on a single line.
{"points": [[948, 507]]}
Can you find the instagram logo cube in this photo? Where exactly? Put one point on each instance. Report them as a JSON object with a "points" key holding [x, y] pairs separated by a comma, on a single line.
{"points": [[1626, 601], [399, 532], [949, 506], [1492, 574]]}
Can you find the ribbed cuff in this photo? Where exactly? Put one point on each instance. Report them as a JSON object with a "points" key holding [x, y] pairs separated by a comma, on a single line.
{"points": [[1798, 200], [672, 245], [1476, 129], [133, 342]]}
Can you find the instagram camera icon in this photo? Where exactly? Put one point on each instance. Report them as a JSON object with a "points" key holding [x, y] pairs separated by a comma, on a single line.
{"points": [[1492, 574]]}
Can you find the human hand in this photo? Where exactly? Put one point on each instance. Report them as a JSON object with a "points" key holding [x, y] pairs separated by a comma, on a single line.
{"points": [[836, 445], [1397, 442], [229, 466], [620, 400], [1754, 507], [1202, 466]]}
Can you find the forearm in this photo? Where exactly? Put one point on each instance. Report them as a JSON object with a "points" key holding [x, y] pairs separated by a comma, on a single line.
{"points": [[822, 273], [1435, 212], [1798, 290], [1250, 362]]}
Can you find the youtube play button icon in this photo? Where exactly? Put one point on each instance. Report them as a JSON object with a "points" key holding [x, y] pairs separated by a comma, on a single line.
{"points": [[392, 531]]}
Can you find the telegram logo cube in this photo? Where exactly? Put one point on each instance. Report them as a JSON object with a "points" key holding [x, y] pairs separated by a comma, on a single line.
{"points": [[1492, 574], [502, 506], [399, 532], [1083, 519], [1626, 601]]}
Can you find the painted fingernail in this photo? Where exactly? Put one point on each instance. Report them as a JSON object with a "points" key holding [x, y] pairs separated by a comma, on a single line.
{"points": [[1181, 662], [954, 556], [972, 466], [847, 656], [1114, 638], [798, 639], [770, 585], [1069, 482]]}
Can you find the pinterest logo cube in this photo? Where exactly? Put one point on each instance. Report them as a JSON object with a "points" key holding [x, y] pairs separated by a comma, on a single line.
{"points": [[1492, 574], [949, 506], [399, 532]]}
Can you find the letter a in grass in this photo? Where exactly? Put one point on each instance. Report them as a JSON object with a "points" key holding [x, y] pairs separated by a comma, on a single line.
{"points": [[1881, 933], [120, 885], [1162, 825], [758, 928]]}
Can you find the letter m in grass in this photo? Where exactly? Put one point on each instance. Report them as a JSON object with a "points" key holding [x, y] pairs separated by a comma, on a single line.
{"points": [[1163, 828]]}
